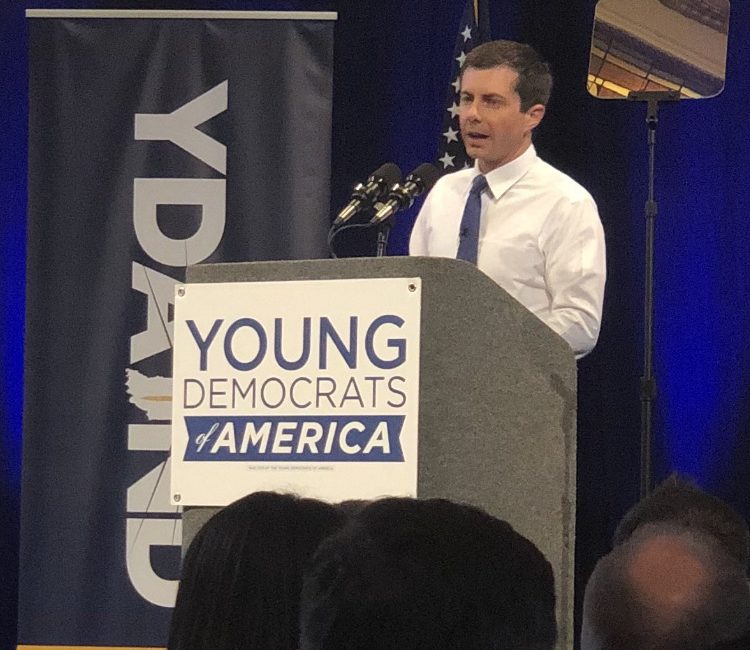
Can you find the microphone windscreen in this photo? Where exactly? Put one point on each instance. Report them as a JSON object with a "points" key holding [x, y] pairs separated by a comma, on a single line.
{"points": [[389, 173], [428, 175]]}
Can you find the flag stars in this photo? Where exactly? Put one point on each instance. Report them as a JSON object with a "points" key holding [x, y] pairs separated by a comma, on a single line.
{"points": [[451, 152], [447, 160], [451, 135]]}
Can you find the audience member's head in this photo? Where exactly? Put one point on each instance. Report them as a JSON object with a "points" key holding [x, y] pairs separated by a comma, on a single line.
{"points": [[407, 574], [679, 501], [242, 574], [666, 587], [351, 507], [740, 643]]}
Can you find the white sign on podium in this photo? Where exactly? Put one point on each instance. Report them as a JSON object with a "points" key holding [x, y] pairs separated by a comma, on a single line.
{"points": [[309, 387]]}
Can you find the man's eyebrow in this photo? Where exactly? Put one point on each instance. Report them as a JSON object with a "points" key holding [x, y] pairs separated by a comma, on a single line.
{"points": [[485, 95]]}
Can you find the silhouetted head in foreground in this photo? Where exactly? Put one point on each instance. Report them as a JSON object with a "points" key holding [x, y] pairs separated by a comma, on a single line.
{"points": [[242, 575], [679, 501], [407, 574], [666, 587]]}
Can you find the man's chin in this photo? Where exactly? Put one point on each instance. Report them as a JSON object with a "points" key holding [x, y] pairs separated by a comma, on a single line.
{"points": [[474, 152]]}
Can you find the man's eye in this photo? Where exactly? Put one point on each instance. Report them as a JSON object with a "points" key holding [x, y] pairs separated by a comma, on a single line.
{"points": [[465, 100], [493, 102]]}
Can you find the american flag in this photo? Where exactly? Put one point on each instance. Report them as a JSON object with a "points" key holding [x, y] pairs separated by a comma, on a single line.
{"points": [[473, 31]]}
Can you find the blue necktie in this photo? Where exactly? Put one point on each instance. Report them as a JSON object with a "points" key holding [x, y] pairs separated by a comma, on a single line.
{"points": [[468, 237]]}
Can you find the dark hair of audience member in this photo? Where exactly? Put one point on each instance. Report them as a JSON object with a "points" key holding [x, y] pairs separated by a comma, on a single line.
{"points": [[419, 574], [706, 602], [351, 507], [242, 574], [740, 643], [680, 501]]}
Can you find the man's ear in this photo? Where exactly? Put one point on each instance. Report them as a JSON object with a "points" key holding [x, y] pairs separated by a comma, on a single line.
{"points": [[534, 115]]}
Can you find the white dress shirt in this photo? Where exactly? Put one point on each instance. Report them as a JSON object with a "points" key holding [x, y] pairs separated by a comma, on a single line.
{"points": [[540, 239]]}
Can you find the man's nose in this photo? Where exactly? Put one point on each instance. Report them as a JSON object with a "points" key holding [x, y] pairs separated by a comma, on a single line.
{"points": [[470, 112]]}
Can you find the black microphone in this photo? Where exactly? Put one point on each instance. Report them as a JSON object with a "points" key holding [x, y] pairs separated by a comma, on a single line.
{"points": [[364, 195], [402, 196]]}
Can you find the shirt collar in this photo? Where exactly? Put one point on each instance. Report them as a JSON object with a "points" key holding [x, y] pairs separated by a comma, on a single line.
{"points": [[500, 180]]}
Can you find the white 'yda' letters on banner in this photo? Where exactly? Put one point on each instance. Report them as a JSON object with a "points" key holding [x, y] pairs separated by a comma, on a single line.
{"points": [[309, 387]]}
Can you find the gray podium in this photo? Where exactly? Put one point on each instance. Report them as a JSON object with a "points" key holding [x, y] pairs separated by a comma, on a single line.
{"points": [[497, 405]]}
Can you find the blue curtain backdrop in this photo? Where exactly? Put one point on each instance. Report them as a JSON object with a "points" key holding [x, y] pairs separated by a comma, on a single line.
{"points": [[390, 78]]}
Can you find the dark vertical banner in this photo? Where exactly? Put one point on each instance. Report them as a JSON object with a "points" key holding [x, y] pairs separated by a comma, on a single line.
{"points": [[157, 140]]}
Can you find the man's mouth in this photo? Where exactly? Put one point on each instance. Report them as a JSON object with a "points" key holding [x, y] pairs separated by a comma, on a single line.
{"points": [[475, 136]]}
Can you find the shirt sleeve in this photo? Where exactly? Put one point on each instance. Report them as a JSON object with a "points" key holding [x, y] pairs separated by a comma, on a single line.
{"points": [[418, 238], [575, 272]]}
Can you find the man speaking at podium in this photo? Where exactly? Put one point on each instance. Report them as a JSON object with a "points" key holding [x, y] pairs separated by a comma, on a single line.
{"points": [[531, 228]]}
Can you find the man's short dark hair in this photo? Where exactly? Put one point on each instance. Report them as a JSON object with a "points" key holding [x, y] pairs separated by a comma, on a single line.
{"points": [[620, 614], [534, 84], [680, 501], [412, 574]]}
